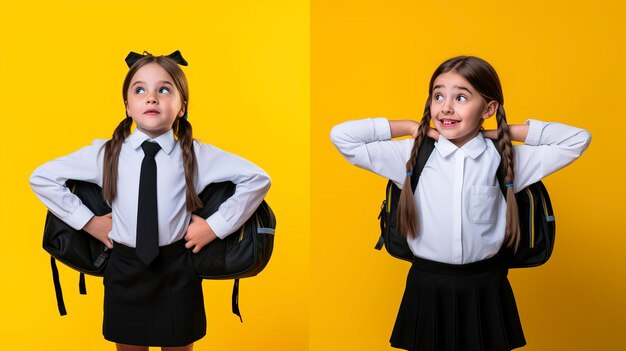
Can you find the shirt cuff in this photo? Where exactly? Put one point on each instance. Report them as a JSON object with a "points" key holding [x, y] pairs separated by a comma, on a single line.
{"points": [[535, 128], [218, 224], [80, 217], [382, 128]]}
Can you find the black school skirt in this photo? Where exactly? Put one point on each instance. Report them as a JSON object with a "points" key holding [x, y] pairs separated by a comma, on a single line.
{"points": [[449, 307], [156, 305]]}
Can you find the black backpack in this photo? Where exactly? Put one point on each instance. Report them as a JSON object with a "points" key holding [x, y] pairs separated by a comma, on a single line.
{"points": [[537, 224], [240, 255]]}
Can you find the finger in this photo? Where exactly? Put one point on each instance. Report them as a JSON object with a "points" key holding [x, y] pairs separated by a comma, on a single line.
{"points": [[433, 133], [108, 243], [196, 249], [189, 245]]}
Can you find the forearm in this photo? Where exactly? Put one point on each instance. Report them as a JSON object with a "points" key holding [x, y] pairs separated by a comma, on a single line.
{"points": [[48, 182], [367, 144], [238, 208], [518, 132], [547, 148], [252, 184], [400, 128]]}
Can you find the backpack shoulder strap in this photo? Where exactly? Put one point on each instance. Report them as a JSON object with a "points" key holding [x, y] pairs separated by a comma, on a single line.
{"points": [[57, 287], [235, 299], [500, 172], [427, 147]]}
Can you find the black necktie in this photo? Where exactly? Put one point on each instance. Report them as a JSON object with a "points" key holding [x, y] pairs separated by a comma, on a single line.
{"points": [[147, 215]]}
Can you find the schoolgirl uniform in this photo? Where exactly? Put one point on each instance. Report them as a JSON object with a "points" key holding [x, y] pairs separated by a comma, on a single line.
{"points": [[457, 294], [160, 304]]}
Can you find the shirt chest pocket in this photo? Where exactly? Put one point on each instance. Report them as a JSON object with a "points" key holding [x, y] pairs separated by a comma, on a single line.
{"points": [[484, 204]]}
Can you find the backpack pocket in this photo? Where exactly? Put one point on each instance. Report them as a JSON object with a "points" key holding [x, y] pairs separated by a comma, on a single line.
{"points": [[483, 204]]}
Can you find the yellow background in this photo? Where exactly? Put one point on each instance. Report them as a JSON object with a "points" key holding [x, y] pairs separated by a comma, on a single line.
{"points": [[62, 67], [268, 80], [558, 61]]}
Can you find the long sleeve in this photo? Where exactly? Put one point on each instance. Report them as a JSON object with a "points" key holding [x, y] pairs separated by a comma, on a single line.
{"points": [[48, 183], [548, 148], [367, 144], [252, 183], [462, 216]]}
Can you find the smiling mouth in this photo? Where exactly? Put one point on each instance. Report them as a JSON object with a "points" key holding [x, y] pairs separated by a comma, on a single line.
{"points": [[449, 122]]}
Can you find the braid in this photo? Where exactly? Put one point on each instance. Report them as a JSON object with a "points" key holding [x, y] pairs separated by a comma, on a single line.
{"points": [[112, 150], [512, 231], [184, 134], [407, 212]]}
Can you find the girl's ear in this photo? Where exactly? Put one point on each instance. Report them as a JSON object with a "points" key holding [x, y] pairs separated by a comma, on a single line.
{"points": [[183, 109], [490, 109], [126, 104]]}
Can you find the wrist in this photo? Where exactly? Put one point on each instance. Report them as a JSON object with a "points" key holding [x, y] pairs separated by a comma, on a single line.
{"points": [[89, 224], [490, 134]]}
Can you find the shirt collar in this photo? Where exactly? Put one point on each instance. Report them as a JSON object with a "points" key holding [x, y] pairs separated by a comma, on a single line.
{"points": [[472, 148], [165, 140]]}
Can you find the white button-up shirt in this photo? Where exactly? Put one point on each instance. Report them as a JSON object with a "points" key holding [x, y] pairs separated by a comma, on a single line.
{"points": [[461, 209], [213, 165]]}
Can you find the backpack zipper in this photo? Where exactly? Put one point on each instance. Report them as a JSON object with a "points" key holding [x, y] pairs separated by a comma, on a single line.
{"points": [[531, 218], [549, 217], [241, 234]]}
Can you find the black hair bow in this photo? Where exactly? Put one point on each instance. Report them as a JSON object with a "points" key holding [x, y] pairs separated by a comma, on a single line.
{"points": [[176, 56]]}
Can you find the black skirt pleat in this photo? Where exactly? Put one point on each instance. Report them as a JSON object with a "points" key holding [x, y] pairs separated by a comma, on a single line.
{"points": [[458, 308], [157, 305]]}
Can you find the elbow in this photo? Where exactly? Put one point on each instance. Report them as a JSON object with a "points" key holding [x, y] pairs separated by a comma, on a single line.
{"points": [[33, 180], [345, 143], [268, 183], [585, 136], [336, 135], [265, 180], [341, 141]]}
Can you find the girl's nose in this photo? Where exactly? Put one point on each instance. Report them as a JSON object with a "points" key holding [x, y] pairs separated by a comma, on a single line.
{"points": [[151, 99], [447, 108]]}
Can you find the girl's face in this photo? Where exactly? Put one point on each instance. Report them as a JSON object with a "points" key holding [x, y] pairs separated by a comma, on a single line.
{"points": [[457, 109], [154, 103]]}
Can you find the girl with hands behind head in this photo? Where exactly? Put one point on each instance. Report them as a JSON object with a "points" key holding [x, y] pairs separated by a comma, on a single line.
{"points": [[457, 295]]}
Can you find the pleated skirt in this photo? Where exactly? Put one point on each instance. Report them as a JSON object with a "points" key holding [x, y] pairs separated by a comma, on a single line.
{"points": [[458, 308], [157, 305]]}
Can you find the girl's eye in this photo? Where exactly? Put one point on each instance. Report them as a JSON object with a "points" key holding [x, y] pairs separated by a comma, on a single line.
{"points": [[164, 90], [139, 91], [438, 97], [461, 98]]}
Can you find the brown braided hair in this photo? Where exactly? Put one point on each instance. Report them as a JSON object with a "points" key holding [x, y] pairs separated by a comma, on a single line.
{"points": [[483, 77], [182, 130]]}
